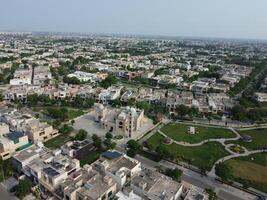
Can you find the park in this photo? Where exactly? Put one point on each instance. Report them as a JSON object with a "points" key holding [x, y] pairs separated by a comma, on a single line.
{"points": [[243, 151]]}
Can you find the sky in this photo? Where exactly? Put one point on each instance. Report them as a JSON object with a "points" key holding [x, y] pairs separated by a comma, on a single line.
{"points": [[187, 18]]}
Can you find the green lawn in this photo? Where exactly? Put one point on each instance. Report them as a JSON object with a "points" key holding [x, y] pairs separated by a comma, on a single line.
{"points": [[58, 141], [91, 157], [74, 113], [250, 171], [203, 156], [259, 139], [179, 132]]}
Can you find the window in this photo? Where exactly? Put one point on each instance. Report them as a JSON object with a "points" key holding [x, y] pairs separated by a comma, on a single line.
{"points": [[6, 154]]}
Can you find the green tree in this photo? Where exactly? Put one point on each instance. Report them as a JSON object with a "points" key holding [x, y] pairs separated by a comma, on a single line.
{"points": [[239, 113], [182, 110], [211, 193], [175, 174], [224, 171], [81, 135], [97, 141], [109, 144], [110, 80], [143, 105], [23, 188], [109, 135], [133, 148], [65, 129], [163, 152]]}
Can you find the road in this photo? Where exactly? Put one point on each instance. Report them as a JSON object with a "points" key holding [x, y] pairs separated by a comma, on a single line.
{"points": [[5, 195]]}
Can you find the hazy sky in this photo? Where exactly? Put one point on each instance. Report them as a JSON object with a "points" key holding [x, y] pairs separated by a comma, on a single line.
{"points": [[200, 18]]}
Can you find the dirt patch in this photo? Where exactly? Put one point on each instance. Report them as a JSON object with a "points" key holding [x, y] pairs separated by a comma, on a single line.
{"points": [[249, 171]]}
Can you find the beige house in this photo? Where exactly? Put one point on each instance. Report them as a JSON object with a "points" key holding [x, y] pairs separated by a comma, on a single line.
{"points": [[40, 131], [124, 121], [10, 142]]}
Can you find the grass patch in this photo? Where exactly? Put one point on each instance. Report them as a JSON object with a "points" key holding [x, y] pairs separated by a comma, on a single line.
{"points": [[203, 156], [6, 169], [58, 141], [259, 139], [90, 158], [251, 171], [179, 132], [74, 113]]}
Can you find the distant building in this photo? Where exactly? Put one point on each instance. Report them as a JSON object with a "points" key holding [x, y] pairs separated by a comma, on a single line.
{"points": [[260, 97]]}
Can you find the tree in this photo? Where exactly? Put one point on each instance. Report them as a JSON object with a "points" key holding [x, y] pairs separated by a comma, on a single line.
{"points": [[72, 121], [23, 188], [66, 129], [224, 171], [182, 110], [81, 135], [116, 103], [109, 135], [133, 148], [163, 152], [239, 112], [131, 102], [61, 114], [97, 141], [110, 80], [71, 80], [143, 105], [211, 193], [109, 144], [175, 174]]}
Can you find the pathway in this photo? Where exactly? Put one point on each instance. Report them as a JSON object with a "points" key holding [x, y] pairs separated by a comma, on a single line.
{"points": [[226, 146], [247, 153], [220, 140]]}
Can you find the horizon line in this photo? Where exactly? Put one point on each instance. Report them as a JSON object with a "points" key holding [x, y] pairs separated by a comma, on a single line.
{"points": [[162, 36]]}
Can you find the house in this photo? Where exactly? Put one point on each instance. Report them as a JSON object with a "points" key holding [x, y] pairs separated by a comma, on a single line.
{"points": [[260, 97], [10, 142], [39, 131], [118, 166], [22, 77], [41, 74], [124, 121], [109, 94], [155, 186], [78, 149]]}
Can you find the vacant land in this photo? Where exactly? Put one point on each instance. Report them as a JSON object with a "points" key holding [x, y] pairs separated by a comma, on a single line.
{"points": [[90, 158], [58, 141], [203, 156], [74, 113], [259, 139], [250, 171], [180, 133]]}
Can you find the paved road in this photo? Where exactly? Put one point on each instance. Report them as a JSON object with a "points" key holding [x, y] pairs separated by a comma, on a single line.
{"points": [[224, 191], [4, 195]]}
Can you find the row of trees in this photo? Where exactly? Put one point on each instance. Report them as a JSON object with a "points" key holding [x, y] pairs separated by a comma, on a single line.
{"points": [[242, 113], [43, 100]]}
